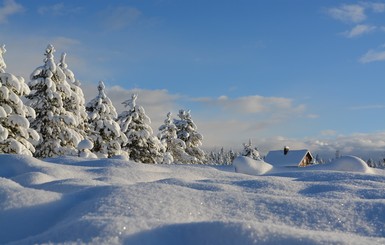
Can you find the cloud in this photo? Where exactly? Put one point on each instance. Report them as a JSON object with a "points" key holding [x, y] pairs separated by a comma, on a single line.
{"points": [[375, 7], [9, 8], [372, 56], [359, 30], [58, 9], [355, 13], [360, 144], [251, 104], [348, 13], [118, 18]]}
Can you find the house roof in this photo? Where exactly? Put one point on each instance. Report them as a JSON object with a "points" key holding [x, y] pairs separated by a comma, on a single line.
{"points": [[291, 159]]}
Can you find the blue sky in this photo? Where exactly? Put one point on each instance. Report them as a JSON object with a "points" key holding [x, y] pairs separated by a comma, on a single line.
{"points": [[305, 73]]}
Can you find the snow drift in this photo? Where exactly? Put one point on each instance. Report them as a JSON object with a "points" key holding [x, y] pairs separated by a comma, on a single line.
{"points": [[111, 201], [247, 165]]}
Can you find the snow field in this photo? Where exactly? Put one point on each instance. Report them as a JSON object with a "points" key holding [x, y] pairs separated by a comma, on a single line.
{"points": [[111, 201]]}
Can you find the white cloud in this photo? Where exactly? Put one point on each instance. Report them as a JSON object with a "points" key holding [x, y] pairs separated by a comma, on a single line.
{"points": [[359, 30], [372, 56], [58, 9], [9, 8], [348, 13], [360, 144], [251, 104], [120, 17], [375, 7]]}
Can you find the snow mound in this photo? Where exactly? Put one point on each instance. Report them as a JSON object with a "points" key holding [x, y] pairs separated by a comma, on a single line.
{"points": [[13, 165], [247, 165], [33, 178], [350, 163], [85, 144], [344, 163]]}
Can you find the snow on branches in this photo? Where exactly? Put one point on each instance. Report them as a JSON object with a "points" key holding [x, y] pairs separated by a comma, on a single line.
{"points": [[142, 145], [104, 131], [175, 148], [16, 136], [187, 132], [56, 125]]}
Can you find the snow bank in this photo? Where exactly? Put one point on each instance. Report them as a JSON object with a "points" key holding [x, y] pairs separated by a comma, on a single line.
{"points": [[71, 200], [237, 233], [349, 163], [247, 165]]}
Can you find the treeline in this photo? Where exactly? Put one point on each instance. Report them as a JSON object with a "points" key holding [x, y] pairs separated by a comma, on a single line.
{"points": [[48, 117]]}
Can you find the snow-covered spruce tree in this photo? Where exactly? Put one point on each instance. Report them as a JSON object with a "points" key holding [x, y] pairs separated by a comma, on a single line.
{"points": [[104, 131], [75, 102], [250, 151], [221, 157], [186, 131], [53, 122], [142, 145], [15, 134], [174, 146]]}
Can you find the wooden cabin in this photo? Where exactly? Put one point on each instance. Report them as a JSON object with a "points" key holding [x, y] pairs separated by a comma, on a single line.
{"points": [[289, 158]]}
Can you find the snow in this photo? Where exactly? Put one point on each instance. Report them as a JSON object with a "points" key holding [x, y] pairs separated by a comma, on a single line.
{"points": [[85, 144], [75, 200], [247, 165]]}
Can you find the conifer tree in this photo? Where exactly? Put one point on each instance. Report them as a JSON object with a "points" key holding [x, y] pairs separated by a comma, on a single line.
{"points": [[104, 131], [54, 124], [250, 151], [174, 146], [75, 102], [187, 131], [142, 145], [16, 136]]}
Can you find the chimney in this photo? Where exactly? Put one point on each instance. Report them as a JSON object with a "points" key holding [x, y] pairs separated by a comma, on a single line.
{"points": [[285, 150]]}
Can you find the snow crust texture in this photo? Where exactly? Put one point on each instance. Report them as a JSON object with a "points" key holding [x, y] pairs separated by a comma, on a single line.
{"points": [[75, 200]]}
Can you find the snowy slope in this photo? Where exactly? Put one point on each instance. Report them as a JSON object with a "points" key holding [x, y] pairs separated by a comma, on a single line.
{"points": [[72, 200]]}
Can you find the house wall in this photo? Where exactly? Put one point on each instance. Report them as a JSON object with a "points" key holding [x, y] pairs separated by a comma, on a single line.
{"points": [[306, 160]]}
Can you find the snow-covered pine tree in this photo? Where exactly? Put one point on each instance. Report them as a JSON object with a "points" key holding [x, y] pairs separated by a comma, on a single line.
{"points": [[75, 102], [142, 145], [186, 131], [15, 134], [174, 146], [55, 125], [250, 151], [105, 133]]}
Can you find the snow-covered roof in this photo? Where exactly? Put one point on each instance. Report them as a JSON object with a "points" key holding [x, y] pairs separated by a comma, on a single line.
{"points": [[291, 159]]}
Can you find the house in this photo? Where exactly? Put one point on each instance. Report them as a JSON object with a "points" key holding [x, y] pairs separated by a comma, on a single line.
{"points": [[289, 158]]}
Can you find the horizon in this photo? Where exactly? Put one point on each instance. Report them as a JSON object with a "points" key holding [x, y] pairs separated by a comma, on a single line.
{"points": [[309, 77]]}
